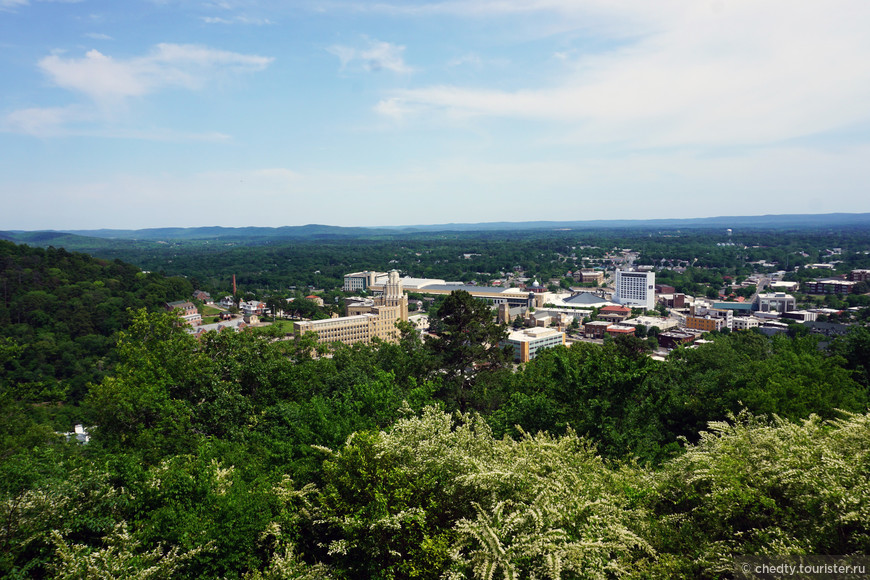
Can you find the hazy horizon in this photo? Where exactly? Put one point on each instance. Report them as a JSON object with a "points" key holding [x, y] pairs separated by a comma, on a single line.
{"points": [[819, 219]]}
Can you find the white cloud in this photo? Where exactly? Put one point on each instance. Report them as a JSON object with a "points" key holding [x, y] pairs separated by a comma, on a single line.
{"points": [[378, 55], [45, 122], [88, 121], [239, 19], [583, 13], [104, 78], [109, 82], [393, 108], [12, 4], [466, 59], [98, 36], [736, 72]]}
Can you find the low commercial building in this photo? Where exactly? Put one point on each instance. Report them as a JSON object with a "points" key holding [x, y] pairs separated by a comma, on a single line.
{"points": [[772, 327], [801, 315], [589, 276], [739, 308], [785, 286], [677, 300], [652, 321], [705, 323], [674, 338], [775, 301], [829, 286], [745, 322], [528, 342], [614, 314], [620, 329], [828, 328], [596, 328]]}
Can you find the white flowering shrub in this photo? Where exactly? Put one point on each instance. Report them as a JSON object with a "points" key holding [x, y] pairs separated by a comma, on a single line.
{"points": [[122, 556], [80, 504], [557, 511], [438, 495], [757, 486], [286, 565]]}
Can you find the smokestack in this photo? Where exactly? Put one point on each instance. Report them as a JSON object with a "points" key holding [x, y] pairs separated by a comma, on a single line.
{"points": [[234, 284]]}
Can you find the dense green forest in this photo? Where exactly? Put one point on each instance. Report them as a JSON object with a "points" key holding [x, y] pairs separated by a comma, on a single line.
{"points": [[266, 266], [64, 311], [245, 456]]}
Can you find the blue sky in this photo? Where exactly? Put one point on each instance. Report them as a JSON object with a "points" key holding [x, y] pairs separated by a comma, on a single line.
{"points": [[153, 113]]}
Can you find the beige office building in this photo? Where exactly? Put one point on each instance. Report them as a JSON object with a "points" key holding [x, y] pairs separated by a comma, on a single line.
{"points": [[379, 321]]}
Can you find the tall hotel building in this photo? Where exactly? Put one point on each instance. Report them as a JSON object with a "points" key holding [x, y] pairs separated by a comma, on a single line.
{"points": [[635, 289]]}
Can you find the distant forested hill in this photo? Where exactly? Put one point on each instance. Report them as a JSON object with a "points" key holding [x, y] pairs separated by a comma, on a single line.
{"points": [[320, 231]]}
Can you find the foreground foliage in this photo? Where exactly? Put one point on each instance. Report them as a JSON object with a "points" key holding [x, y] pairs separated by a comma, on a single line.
{"points": [[241, 455]]}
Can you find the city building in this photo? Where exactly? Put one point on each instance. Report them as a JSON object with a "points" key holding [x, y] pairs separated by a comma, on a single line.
{"points": [[357, 305], [252, 307], [785, 286], [361, 280], [582, 300], [186, 311], [513, 296], [614, 314], [635, 289], [596, 328], [677, 300], [772, 327], [234, 325], [745, 322], [774, 301], [315, 298], [674, 338], [801, 315], [740, 308], [652, 321], [203, 297], [378, 322], [620, 329], [504, 313], [859, 276], [705, 323], [589, 276], [528, 342], [828, 328], [829, 286]]}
